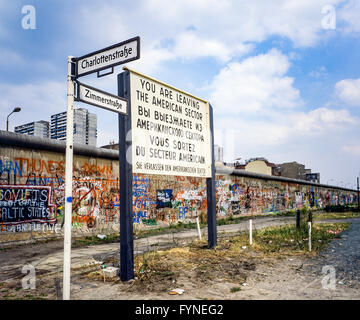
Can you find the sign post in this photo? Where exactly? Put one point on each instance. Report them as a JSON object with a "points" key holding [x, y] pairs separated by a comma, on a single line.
{"points": [[171, 134], [68, 179], [126, 180], [211, 191], [97, 61]]}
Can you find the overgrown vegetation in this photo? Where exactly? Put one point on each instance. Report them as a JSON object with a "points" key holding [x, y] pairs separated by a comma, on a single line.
{"points": [[336, 215], [290, 239], [94, 239], [231, 261], [305, 215]]}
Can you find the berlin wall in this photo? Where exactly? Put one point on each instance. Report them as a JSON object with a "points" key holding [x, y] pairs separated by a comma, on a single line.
{"points": [[32, 181]]}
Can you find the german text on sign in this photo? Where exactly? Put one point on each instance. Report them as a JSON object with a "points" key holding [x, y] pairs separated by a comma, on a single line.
{"points": [[108, 57], [101, 99]]}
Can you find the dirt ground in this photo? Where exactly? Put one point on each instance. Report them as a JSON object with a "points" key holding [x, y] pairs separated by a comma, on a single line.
{"points": [[203, 274], [251, 276], [261, 279]]}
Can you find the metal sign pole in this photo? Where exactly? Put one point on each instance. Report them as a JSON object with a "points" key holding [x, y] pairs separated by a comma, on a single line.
{"points": [[68, 180], [210, 191], [126, 182]]}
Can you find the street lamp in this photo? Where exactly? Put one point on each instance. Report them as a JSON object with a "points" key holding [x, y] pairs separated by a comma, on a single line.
{"points": [[17, 109]]}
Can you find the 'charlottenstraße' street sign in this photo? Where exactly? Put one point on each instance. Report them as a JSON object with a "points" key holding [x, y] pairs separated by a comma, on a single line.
{"points": [[109, 57]]}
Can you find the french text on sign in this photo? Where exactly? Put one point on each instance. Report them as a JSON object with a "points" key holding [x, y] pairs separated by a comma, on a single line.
{"points": [[101, 99], [108, 57]]}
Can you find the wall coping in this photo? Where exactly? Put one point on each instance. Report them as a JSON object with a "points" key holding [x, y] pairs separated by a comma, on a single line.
{"points": [[30, 142], [244, 173]]}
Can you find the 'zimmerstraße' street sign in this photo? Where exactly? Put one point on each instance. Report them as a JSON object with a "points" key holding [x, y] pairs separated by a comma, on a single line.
{"points": [[170, 129], [101, 98], [109, 57]]}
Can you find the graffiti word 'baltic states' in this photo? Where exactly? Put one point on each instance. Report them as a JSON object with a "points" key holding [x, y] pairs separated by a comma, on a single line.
{"points": [[19, 204]]}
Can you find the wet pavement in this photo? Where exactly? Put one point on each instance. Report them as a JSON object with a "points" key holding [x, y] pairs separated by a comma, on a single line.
{"points": [[344, 255]]}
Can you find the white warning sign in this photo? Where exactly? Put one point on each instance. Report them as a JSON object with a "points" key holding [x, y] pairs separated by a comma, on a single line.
{"points": [[170, 129]]}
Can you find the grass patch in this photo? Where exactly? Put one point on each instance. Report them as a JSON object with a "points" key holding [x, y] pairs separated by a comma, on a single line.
{"points": [[290, 239], [235, 289], [335, 215], [93, 240]]}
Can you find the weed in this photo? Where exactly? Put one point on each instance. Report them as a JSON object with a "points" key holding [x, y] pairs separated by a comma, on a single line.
{"points": [[336, 215]]}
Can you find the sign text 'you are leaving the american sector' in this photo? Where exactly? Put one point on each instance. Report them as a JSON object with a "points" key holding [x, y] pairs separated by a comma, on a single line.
{"points": [[170, 129]]}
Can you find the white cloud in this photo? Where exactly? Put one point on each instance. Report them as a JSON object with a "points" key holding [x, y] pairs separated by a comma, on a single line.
{"points": [[241, 20], [222, 29], [352, 149], [190, 46], [349, 14], [256, 84], [348, 90], [281, 128], [320, 120]]}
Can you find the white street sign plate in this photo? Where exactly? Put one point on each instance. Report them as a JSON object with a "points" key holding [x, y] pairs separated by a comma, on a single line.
{"points": [[101, 99], [109, 57], [170, 129]]}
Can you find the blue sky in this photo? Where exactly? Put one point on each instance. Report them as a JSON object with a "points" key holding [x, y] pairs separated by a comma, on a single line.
{"points": [[283, 78]]}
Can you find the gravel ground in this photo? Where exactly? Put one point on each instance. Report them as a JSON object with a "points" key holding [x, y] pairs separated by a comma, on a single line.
{"points": [[342, 254]]}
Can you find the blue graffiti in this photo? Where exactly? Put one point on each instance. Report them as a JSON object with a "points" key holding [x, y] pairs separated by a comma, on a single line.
{"points": [[10, 166], [183, 211], [138, 215]]}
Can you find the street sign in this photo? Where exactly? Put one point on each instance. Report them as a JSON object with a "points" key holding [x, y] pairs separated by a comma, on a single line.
{"points": [[109, 57], [170, 129], [100, 98], [106, 58]]}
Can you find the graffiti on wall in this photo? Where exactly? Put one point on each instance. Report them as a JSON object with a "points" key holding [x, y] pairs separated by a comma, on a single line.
{"points": [[32, 195], [23, 207]]}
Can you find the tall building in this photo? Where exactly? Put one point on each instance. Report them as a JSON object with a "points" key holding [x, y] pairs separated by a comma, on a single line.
{"points": [[36, 128], [85, 127], [218, 153]]}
